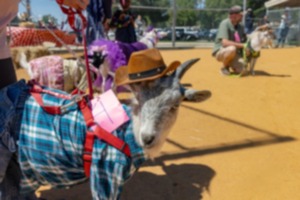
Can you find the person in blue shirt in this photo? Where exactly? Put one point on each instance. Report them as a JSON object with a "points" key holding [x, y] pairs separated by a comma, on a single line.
{"points": [[283, 28], [249, 21]]}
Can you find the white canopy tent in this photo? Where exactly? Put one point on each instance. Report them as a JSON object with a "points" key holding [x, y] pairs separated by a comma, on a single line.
{"points": [[282, 3]]}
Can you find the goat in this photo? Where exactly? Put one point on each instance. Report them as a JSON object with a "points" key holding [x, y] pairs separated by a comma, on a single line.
{"points": [[55, 72], [116, 54], [50, 148], [261, 37]]}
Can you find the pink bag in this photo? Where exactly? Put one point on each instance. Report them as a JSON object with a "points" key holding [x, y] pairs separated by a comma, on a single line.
{"points": [[48, 71]]}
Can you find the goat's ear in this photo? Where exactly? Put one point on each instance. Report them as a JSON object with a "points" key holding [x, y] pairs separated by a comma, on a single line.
{"points": [[185, 66]]}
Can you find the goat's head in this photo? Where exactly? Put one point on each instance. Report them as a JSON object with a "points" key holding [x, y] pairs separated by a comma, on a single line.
{"points": [[265, 35], [155, 108], [152, 37]]}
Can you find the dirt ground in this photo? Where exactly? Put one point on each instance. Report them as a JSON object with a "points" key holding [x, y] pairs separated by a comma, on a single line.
{"points": [[241, 144]]}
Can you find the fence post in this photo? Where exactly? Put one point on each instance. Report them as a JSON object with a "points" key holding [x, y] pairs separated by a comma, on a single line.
{"points": [[174, 23], [244, 11]]}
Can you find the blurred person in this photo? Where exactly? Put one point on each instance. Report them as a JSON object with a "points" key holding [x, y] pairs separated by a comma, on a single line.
{"points": [[123, 22], [41, 24], [139, 25], [229, 42], [10, 114], [283, 28], [99, 17], [51, 24], [249, 21], [265, 21]]}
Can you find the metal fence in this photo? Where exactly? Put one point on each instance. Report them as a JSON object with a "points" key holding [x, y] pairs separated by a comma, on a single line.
{"points": [[293, 37], [197, 32]]}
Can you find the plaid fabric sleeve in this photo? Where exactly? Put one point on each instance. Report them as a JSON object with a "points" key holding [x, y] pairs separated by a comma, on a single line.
{"points": [[50, 146], [111, 168]]}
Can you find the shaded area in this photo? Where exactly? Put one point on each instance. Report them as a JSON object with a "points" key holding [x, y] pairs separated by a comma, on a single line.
{"points": [[264, 73], [77, 192], [243, 144], [186, 181]]}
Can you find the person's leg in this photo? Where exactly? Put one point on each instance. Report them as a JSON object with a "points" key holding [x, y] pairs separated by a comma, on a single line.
{"points": [[8, 75], [10, 186], [284, 36], [238, 65], [5, 157], [281, 39], [226, 56]]}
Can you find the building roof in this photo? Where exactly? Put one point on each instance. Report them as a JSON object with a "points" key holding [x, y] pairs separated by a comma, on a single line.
{"points": [[282, 3]]}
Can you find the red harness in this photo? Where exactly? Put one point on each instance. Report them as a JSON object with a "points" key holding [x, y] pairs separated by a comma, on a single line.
{"points": [[79, 99]]}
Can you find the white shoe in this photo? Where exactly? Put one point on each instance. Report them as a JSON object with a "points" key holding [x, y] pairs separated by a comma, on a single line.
{"points": [[225, 71]]}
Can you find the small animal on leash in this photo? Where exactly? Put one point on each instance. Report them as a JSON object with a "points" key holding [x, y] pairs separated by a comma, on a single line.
{"points": [[116, 55], [261, 37], [56, 72], [59, 144]]}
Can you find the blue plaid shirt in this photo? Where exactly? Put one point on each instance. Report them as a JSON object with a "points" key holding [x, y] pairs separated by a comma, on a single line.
{"points": [[51, 148]]}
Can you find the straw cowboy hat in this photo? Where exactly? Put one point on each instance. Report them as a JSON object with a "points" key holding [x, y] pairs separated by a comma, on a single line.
{"points": [[144, 65]]}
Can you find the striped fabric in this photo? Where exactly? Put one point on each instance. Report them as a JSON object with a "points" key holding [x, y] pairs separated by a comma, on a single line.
{"points": [[51, 148], [21, 36]]}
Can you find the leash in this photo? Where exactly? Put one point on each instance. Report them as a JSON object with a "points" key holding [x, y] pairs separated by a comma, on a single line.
{"points": [[253, 53], [71, 14], [99, 132]]}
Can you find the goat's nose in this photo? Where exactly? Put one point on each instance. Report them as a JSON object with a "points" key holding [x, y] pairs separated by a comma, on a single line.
{"points": [[148, 139]]}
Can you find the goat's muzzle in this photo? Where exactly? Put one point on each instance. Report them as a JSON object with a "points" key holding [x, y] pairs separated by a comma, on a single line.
{"points": [[148, 140]]}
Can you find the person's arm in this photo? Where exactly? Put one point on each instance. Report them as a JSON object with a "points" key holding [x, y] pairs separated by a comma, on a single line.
{"points": [[223, 35], [226, 43]]}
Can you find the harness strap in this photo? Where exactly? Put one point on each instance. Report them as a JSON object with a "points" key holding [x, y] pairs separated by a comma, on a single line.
{"points": [[36, 91], [112, 140], [54, 110], [71, 13], [99, 132], [87, 152], [253, 53]]}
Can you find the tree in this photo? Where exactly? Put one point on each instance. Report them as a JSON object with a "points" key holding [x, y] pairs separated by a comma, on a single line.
{"points": [[47, 18], [258, 7], [187, 16], [159, 17], [209, 16]]}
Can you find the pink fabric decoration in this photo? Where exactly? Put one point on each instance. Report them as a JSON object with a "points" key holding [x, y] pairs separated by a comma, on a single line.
{"points": [[108, 111]]}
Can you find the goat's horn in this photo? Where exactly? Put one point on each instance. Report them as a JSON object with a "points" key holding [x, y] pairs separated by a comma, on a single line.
{"points": [[185, 66]]}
